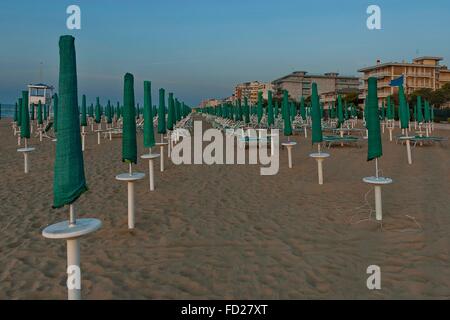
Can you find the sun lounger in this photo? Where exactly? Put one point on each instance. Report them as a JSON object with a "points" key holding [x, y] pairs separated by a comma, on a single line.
{"points": [[428, 140], [330, 140]]}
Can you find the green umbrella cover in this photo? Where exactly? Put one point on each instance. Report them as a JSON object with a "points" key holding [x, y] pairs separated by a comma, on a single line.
{"points": [[39, 113], [162, 112], [373, 122], [149, 135], [129, 147], [68, 179], [83, 112], [25, 121], [315, 116], [287, 130]]}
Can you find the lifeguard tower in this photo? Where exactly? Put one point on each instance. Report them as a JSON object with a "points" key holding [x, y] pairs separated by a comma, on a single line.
{"points": [[40, 92]]}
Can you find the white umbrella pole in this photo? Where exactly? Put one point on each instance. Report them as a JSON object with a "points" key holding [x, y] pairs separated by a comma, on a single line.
{"points": [[25, 156], [319, 166], [169, 140], [151, 174], [289, 149], [130, 201], [162, 154], [73, 257], [378, 206], [40, 133], [82, 138], [390, 134]]}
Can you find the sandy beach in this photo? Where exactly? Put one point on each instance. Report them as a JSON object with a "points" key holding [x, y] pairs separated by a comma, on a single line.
{"points": [[225, 232]]}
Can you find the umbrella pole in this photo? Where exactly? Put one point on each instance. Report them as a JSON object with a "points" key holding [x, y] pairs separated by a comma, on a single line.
{"points": [[82, 138], [73, 256], [25, 157], [169, 140]]}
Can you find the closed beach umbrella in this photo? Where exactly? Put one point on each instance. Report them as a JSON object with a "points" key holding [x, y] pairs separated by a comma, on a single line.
{"points": [[246, 111], [83, 121], [383, 114], [25, 121], [129, 147], [15, 114], [91, 111], [138, 111], [108, 113], [32, 112], [19, 112], [390, 111], [162, 112], [427, 115], [260, 107], [403, 112], [276, 110], [39, 113], [170, 112], [419, 109], [287, 130], [302, 108], [68, 179], [149, 135], [45, 112], [373, 122], [270, 118], [98, 112], [340, 114], [315, 116]]}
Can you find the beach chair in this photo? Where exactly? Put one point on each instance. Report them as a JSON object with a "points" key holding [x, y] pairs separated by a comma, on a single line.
{"points": [[428, 140], [348, 140], [46, 130]]}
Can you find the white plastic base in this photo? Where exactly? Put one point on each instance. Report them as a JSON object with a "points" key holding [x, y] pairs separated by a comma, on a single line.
{"points": [[378, 182]]}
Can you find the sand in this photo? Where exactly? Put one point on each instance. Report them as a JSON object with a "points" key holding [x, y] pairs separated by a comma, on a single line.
{"points": [[225, 232]]}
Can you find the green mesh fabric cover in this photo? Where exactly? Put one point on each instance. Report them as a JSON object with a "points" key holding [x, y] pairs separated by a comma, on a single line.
{"points": [[129, 147], [246, 111], [19, 112], [108, 113], [403, 108], [260, 107], [315, 115], [170, 113], [98, 112], [32, 111], [179, 111], [270, 118], [149, 135], [91, 111], [426, 114], [39, 113], [374, 149], [68, 179], [25, 121], [55, 112], [287, 130], [16, 118], [302, 108], [162, 112], [340, 113], [83, 121], [419, 109]]}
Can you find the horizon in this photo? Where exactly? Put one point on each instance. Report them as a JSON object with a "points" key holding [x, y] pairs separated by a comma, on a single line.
{"points": [[201, 50]]}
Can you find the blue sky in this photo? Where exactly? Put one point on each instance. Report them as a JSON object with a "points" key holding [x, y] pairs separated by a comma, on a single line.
{"points": [[200, 49]]}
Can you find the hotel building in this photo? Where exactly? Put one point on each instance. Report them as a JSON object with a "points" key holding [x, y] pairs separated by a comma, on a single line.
{"points": [[423, 72], [299, 83]]}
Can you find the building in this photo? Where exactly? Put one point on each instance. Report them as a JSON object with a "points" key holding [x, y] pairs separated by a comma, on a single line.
{"points": [[251, 89], [329, 97], [421, 73], [40, 92], [299, 83], [210, 103]]}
